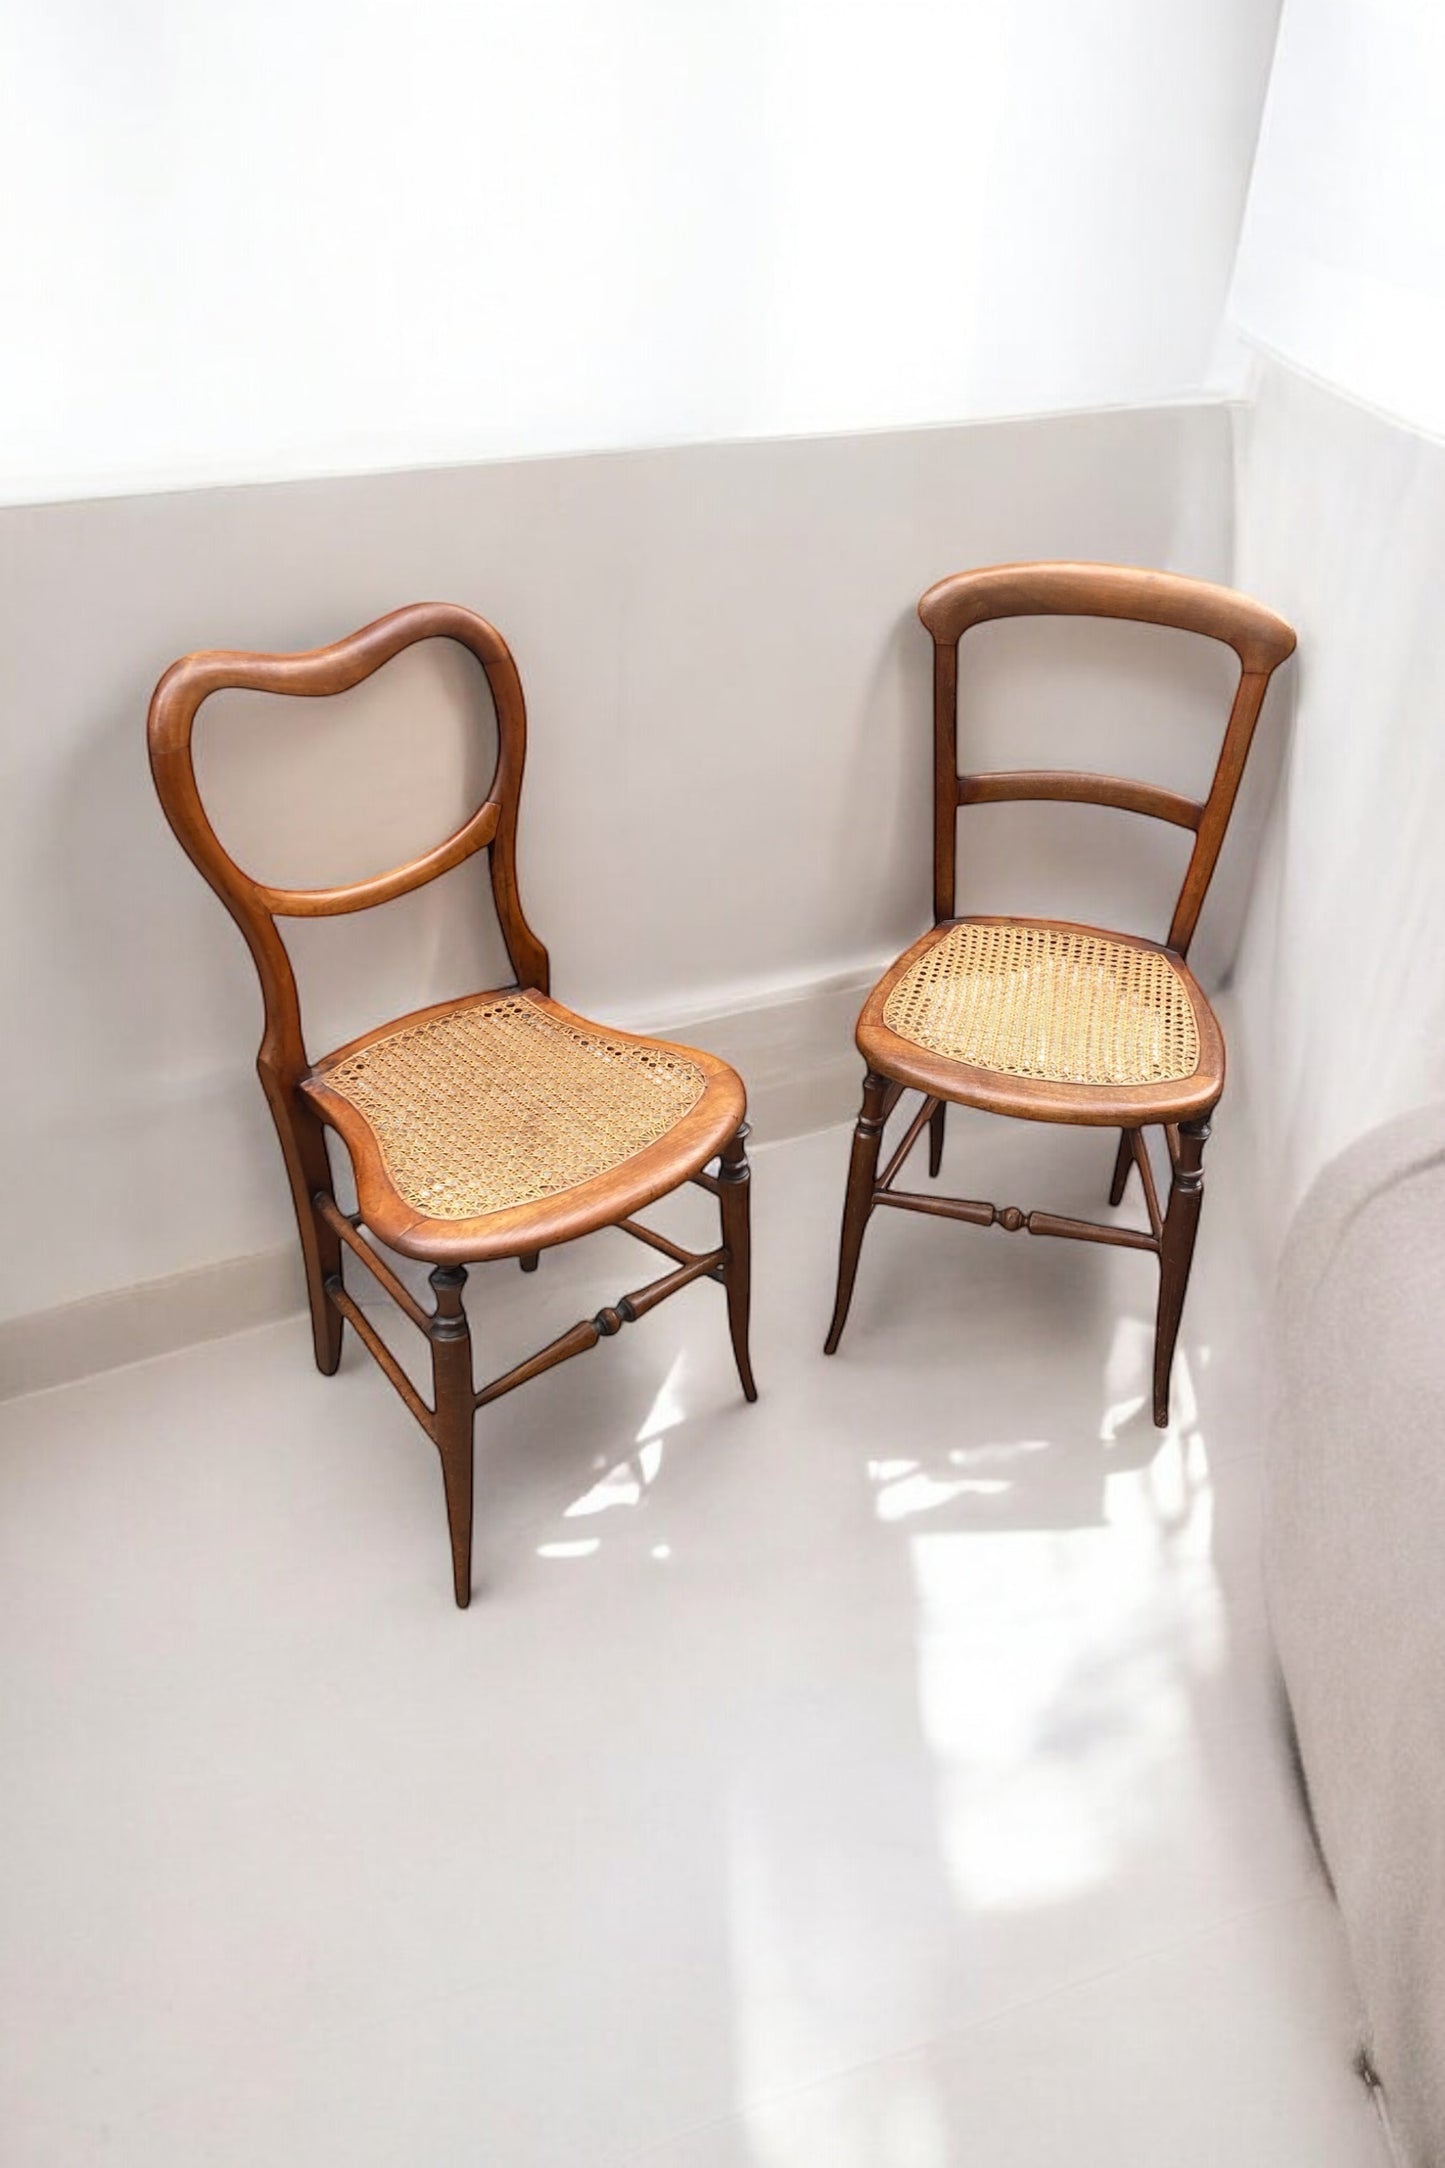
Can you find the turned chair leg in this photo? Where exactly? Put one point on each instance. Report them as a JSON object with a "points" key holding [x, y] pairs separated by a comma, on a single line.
{"points": [[1176, 1254], [936, 1121], [454, 1399], [1123, 1161], [734, 1199], [858, 1203]]}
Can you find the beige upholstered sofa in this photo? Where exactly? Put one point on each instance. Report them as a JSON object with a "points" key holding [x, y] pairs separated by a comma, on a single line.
{"points": [[1355, 1561]]}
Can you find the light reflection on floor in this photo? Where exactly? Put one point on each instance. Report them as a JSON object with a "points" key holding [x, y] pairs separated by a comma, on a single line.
{"points": [[886, 1776]]}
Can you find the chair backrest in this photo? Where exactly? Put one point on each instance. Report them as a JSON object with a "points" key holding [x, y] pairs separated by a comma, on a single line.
{"points": [[1259, 638], [256, 905]]}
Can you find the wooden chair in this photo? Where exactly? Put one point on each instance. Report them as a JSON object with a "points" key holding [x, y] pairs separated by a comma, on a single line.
{"points": [[1048, 1021], [491, 1126]]}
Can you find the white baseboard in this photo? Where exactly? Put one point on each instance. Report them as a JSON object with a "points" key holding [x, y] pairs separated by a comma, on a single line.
{"points": [[794, 1049]]}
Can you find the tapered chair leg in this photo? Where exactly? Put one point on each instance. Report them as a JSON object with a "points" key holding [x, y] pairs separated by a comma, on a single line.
{"points": [[1123, 1161], [303, 1147], [1176, 1254], [323, 1266], [936, 1121], [858, 1202], [734, 1198], [454, 1399]]}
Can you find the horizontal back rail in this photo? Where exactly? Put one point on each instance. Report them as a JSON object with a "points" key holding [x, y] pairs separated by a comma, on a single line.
{"points": [[1074, 787], [477, 830]]}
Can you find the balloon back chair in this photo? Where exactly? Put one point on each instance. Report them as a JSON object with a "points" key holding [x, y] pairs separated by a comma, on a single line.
{"points": [[1049, 1021], [493, 1126]]}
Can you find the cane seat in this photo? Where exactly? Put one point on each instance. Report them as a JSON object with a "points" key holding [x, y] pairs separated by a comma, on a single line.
{"points": [[1026, 1016], [506, 1111]]}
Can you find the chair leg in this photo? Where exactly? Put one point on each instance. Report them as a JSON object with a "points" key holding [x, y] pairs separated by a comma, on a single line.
{"points": [[1176, 1254], [303, 1147], [858, 1202], [454, 1398], [734, 1199], [936, 1121], [529, 1260], [323, 1265], [1123, 1161]]}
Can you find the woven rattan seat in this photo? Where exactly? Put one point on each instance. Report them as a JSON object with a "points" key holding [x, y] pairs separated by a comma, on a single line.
{"points": [[502, 1103], [1059, 1003], [505, 1122]]}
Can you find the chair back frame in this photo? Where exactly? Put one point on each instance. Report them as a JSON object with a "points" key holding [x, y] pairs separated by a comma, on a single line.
{"points": [[256, 905], [715, 1128], [1260, 639]]}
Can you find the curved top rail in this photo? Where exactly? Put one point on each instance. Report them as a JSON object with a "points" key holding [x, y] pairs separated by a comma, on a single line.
{"points": [[953, 605], [314, 673], [320, 670]]}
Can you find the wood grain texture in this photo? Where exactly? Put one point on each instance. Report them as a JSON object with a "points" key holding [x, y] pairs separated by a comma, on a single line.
{"points": [[879, 1098], [735, 1177], [1074, 786], [1176, 1254], [954, 605], [453, 1417]]}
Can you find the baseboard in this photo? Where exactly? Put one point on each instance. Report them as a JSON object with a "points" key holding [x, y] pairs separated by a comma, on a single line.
{"points": [[129, 1324], [793, 1047]]}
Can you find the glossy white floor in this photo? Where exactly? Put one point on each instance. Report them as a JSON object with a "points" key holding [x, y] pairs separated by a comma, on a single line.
{"points": [[886, 1776]]}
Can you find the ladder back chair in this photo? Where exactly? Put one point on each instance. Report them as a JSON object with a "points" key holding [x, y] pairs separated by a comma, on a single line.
{"points": [[1049, 1021], [491, 1126]]}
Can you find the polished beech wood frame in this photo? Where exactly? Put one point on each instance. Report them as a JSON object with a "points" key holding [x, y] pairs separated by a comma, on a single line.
{"points": [[1182, 1110], [302, 1105]]}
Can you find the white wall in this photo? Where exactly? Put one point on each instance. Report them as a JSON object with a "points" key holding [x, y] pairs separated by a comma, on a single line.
{"points": [[1342, 258], [1340, 993], [728, 787], [308, 236]]}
